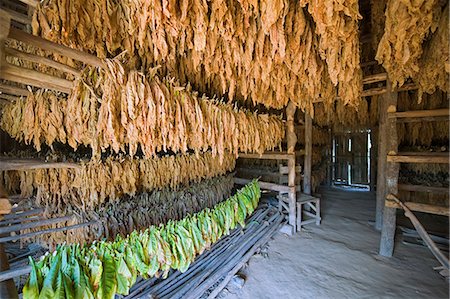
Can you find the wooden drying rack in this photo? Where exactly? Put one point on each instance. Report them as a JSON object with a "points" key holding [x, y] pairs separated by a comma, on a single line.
{"points": [[388, 169], [16, 74]]}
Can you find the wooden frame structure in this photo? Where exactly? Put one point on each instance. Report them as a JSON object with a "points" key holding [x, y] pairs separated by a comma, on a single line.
{"points": [[389, 166], [288, 193]]}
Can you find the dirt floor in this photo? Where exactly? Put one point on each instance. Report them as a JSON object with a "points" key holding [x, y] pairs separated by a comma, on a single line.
{"points": [[339, 259]]}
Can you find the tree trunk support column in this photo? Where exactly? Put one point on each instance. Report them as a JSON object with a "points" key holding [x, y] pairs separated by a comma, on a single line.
{"points": [[308, 155], [291, 141], [381, 165], [392, 171]]}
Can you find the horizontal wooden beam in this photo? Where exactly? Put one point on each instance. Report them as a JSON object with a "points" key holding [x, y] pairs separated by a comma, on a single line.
{"points": [[6, 98], [17, 16], [420, 113], [13, 90], [28, 164], [266, 185], [258, 172], [268, 156], [31, 77], [55, 48], [369, 63], [422, 188], [373, 91], [13, 273], [428, 154], [46, 231], [32, 224], [42, 60], [420, 207], [32, 3], [418, 159], [422, 119], [374, 78]]}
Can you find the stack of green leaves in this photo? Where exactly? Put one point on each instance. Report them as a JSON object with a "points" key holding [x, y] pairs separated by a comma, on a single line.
{"points": [[103, 269]]}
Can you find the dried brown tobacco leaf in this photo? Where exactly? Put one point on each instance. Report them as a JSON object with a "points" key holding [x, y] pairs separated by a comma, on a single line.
{"points": [[408, 24], [98, 182], [261, 51], [121, 111]]}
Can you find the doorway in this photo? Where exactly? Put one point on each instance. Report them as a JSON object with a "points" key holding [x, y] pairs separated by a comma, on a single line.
{"points": [[351, 159]]}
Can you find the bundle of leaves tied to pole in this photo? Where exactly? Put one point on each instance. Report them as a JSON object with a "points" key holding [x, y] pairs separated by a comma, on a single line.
{"points": [[103, 269]]}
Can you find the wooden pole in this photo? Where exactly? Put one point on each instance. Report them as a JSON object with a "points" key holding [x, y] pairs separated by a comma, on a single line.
{"points": [[381, 163], [31, 77], [55, 48], [308, 155], [373, 157], [291, 141], [392, 170], [42, 60], [5, 23], [7, 287], [330, 159]]}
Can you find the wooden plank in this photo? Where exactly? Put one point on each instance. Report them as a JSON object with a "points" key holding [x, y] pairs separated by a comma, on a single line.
{"points": [[265, 185], [13, 273], [8, 98], [285, 169], [46, 231], [374, 78], [258, 172], [420, 113], [421, 188], [13, 90], [42, 60], [422, 119], [33, 224], [373, 91], [418, 159], [31, 77], [28, 164], [55, 48], [428, 154], [307, 172], [420, 207], [18, 17], [268, 156], [32, 3]]}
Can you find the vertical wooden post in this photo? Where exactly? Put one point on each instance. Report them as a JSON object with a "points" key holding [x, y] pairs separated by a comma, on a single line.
{"points": [[381, 163], [373, 156], [5, 23], [392, 170], [308, 154], [330, 159], [291, 141], [7, 288]]}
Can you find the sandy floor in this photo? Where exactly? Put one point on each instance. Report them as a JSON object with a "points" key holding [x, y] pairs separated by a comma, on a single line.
{"points": [[339, 260]]}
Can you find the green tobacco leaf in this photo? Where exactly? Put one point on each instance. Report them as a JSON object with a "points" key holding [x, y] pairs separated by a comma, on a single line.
{"points": [[108, 283], [49, 286], [68, 287], [96, 268], [104, 268], [124, 277], [31, 288], [60, 292], [81, 284]]}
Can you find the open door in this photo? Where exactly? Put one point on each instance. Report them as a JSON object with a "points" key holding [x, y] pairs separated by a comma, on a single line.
{"points": [[351, 159]]}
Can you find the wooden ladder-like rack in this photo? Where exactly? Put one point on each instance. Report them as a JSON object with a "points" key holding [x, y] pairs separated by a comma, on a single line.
{"points": [[15, 74]]}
